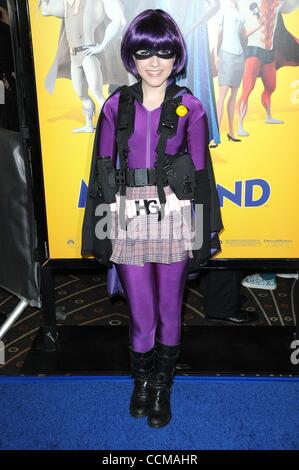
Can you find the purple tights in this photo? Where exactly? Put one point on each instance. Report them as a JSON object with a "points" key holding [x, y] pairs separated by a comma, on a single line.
{"points": [[155, 295]]}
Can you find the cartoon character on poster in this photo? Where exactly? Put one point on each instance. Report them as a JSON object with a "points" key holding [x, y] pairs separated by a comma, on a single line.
{"points": [[88, 49], [270, 47], [228, 58]]}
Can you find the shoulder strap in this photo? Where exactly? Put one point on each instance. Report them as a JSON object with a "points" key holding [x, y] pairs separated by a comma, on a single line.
{"points": [[125, 126], [167, 128]]}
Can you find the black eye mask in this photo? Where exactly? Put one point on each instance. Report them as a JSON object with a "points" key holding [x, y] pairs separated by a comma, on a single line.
{"points": [[142, 54]]}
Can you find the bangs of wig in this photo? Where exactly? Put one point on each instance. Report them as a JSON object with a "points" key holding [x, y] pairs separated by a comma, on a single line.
{"points": [[153, 29]]}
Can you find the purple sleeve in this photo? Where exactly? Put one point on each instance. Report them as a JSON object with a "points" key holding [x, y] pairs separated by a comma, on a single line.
{"points": [[197, 135], [107, 129]]}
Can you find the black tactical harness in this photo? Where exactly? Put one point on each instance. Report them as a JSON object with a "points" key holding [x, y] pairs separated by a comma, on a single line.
{"points": [[167, 128]]}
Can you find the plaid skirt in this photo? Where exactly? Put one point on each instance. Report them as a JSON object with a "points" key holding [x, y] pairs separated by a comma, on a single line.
{"points": [[148, 234]]}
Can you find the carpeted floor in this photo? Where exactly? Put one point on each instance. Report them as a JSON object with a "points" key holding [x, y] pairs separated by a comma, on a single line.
{"points": [[93, 414], [81, 299]]}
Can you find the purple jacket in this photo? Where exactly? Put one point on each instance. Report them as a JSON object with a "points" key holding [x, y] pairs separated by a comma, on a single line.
{"points": [[191, 133]]}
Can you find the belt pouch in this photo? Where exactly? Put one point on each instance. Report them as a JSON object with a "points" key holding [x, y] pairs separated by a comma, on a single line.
{"points": [[180, 171], [106, 179]]}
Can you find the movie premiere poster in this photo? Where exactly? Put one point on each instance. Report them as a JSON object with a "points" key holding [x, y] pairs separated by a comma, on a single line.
{"points": [[243, 59]]}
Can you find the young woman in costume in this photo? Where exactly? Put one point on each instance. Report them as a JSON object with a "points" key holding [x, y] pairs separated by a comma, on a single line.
{"points": [[152, 252]]}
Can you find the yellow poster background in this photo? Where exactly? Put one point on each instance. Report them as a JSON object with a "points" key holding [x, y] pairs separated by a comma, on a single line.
{"points": [[270, 153]]}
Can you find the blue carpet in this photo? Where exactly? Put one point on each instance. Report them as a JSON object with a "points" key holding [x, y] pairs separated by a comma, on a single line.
{"points": [[93, 414]]}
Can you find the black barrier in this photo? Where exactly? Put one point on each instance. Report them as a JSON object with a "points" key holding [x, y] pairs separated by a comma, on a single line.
{"points": [[19, 269]]}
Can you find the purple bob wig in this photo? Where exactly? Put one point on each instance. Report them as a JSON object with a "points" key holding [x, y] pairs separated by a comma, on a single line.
{"points": [[153, 28]]}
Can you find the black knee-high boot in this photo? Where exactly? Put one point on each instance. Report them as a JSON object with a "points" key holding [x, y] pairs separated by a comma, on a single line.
{"points": [[160, 384], [141, 368]]}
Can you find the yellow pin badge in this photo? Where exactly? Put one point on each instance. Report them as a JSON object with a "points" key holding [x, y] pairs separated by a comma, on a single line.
{"points": [[181, 110]]}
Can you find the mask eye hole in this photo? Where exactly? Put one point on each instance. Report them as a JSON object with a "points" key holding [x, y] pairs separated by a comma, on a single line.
{"points": [[143, 52], [164, 52]]}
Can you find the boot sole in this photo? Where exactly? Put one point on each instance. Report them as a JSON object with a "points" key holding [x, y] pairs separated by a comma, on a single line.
{"points": [[157, 426], [138, 415]]}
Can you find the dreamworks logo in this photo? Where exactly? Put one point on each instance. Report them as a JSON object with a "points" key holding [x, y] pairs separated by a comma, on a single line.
{"points": [[2, 355], [295, 354]]}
